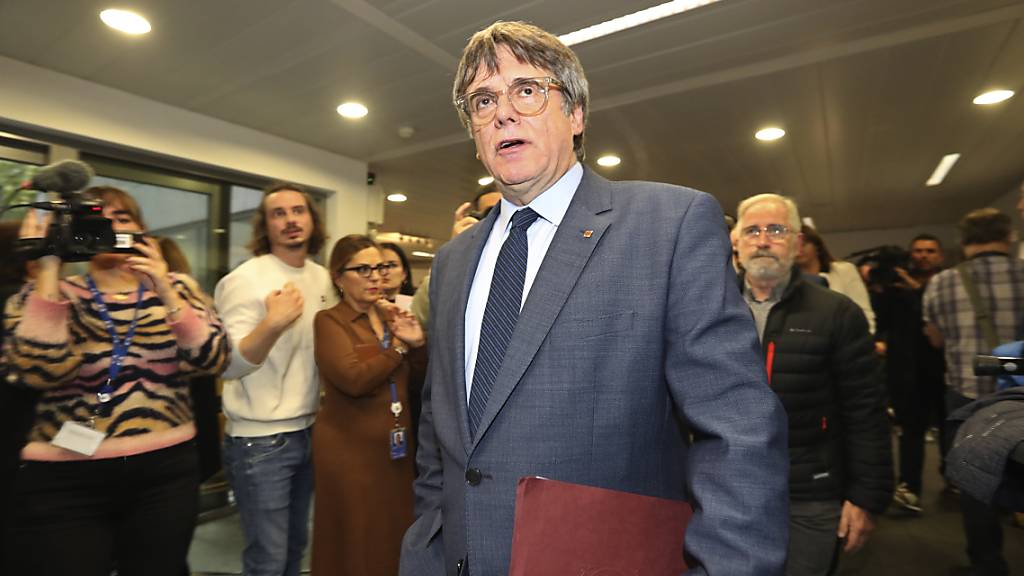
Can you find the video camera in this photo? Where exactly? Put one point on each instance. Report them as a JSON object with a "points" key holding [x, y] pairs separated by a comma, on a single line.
{"points": [[78, 230], [883, 261]]}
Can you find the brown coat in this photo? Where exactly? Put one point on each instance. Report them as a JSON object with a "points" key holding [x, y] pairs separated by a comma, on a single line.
{"points": [[364, 499]]}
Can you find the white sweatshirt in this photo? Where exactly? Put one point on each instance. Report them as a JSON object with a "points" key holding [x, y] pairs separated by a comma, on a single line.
{"points": [[282, 393]]}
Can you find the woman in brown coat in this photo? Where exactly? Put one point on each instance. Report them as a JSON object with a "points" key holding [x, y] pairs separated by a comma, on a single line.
{"points": [[368, 353]]}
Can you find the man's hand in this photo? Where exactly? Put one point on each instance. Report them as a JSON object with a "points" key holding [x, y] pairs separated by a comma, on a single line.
{"points": [[907, 281], [463, 220], [855, 525], [284, 306]]}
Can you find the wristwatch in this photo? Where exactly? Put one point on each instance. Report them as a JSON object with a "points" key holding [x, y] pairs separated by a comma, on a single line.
{"points": [[400, 348]]}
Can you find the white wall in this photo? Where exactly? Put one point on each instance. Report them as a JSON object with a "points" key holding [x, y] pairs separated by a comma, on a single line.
{"points": [[49, 100]]}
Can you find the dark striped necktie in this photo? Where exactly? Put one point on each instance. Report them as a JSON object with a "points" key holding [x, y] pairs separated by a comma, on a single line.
{"points": [[501, 313]]}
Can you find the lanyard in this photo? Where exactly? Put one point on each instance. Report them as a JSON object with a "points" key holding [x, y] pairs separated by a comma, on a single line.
{"points": [[120, 348], [396, 404]]}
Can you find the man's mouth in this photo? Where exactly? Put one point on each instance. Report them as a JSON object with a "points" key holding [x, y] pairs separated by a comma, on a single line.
{"points": [[510, 144], [293, 231]]}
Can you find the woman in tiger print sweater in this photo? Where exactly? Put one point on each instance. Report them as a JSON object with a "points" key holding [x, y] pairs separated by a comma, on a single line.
{"points": [[109, 476]]}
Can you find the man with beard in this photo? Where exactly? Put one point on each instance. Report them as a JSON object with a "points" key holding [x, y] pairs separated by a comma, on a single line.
{"points": [[821, 362], [268, 304]]}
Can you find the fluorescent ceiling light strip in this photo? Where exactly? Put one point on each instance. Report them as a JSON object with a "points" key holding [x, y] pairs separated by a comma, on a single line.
{"points": [[632, 20], [945, 165]]}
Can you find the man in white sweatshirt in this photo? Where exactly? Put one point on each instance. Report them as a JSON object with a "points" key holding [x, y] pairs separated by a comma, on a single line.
{"points": [[267, 305]]}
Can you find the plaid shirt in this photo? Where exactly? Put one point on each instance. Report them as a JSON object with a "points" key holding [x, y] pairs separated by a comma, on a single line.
{"points": [[1000, 282]]}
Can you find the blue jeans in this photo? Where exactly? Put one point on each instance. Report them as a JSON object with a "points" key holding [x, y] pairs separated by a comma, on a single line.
{"points": [[272, 477]]}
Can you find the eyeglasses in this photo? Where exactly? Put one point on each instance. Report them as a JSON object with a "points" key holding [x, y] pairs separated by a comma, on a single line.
{"points": [[528, 96], [773, 232], [365, 270]]}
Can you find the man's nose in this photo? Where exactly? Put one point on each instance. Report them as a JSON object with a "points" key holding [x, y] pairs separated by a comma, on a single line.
{"points": [[505, 112]]}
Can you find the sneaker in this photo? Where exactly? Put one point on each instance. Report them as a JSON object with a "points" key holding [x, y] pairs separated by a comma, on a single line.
{"points": [[906, 499]]}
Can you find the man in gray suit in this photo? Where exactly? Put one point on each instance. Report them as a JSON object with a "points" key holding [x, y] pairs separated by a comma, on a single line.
{"points": [[585, 331]]}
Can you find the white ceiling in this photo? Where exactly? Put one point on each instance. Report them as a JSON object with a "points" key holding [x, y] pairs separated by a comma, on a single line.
{"points": [[872, 93]]}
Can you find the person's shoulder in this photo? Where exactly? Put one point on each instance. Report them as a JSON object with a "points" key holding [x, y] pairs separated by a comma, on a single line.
{"points": [[822, 297], [319, 271], [180, 279], [244, 281], [250, 267], [647, 190]]}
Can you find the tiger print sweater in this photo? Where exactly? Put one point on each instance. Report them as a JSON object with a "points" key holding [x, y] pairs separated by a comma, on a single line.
{"points": [[63, 349]]}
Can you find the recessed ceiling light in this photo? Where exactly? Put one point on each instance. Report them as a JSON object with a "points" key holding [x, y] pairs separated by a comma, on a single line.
{"points": [[609, 160], [943, 168], [663, 10], [422, 254], [352, 110], [993, 97], [770, 133], [397, 197], [485, 180], [125, 21]]}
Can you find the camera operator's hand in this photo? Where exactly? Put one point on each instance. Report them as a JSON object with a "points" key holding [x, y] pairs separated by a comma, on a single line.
{"points": [[907, 281], [463, 220], [150, 268], [33, 227]]}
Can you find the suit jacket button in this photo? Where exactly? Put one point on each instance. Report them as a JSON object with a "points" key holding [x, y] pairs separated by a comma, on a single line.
{"points": [[473, 476]]}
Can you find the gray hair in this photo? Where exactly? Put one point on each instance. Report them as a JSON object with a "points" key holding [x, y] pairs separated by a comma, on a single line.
{"points": [[530, 45], [793, 219]]}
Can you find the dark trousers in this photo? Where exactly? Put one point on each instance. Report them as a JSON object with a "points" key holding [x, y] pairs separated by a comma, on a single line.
{"points": [[981, 521], [915, 414], [136, 514]]}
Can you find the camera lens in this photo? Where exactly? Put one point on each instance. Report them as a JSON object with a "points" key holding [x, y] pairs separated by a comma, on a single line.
{"points": [[84, 239]]}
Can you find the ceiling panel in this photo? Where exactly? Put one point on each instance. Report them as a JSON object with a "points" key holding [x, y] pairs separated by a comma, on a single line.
{"points": [[871, 92]]}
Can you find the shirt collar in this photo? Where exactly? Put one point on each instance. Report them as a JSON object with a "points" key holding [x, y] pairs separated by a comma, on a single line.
{"points": [[551, 204]]}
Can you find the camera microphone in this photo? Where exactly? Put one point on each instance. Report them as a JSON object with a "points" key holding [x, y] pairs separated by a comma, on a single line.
{"points": [[998, 366], [63, 177]]}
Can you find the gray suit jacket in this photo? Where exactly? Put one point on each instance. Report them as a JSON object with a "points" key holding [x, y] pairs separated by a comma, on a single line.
{"points": [[632, 335]]}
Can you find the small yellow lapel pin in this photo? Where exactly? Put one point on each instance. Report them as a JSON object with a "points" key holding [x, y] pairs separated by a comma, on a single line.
{"points": [[588, 233]]}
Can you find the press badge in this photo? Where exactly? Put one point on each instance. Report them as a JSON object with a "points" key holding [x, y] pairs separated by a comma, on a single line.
{"points": [[78, 438], [398, 443]]}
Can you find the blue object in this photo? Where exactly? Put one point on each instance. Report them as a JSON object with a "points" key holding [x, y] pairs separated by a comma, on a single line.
{"points": [[1015, 349]]}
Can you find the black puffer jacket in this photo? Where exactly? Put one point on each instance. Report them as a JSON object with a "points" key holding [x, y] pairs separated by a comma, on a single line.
{"points": [[825, 371]]}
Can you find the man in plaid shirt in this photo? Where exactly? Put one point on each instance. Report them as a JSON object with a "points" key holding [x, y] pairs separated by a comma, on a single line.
{"points": [[951, 320]]}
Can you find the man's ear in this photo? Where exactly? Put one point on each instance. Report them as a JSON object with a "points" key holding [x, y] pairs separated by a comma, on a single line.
{"points": [[576, 120]]}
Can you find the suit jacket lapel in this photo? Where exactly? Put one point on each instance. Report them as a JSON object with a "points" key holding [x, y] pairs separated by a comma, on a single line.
{"points": [[585, 222], [464, 265]]}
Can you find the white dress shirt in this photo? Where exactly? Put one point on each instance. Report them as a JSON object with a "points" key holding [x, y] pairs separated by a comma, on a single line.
{"points": [[551, 205]]}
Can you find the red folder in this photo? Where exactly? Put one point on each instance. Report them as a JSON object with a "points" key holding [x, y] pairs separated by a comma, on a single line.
{"points": [[565, 529]]}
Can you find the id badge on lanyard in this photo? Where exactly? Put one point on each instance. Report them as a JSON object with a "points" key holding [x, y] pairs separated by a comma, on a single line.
{"points": [[120, 347], [84, 438], [397, 441]]}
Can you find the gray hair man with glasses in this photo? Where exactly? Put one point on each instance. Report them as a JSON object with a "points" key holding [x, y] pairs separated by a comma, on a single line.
{"points": [[820, 361], [556, 352]]}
